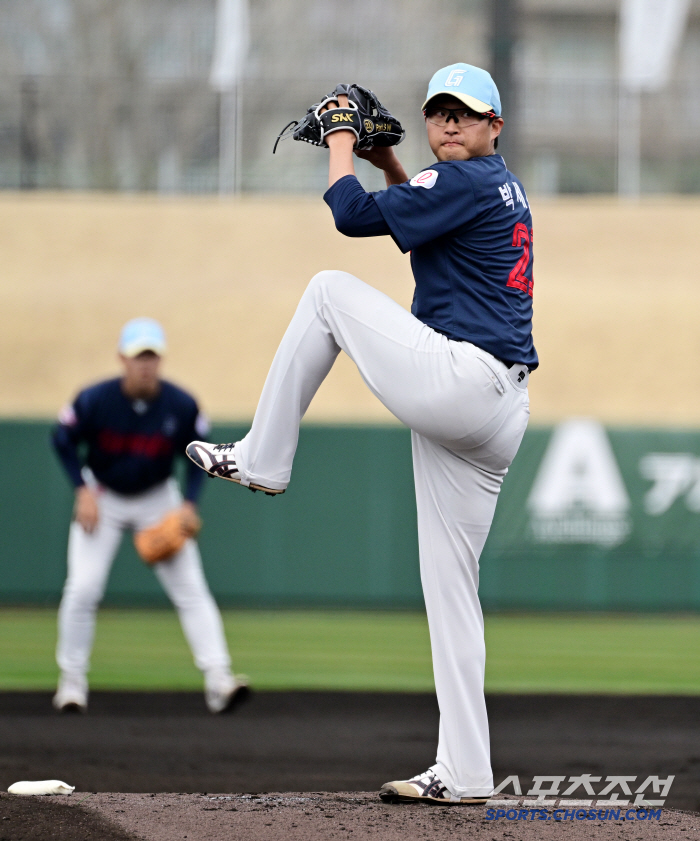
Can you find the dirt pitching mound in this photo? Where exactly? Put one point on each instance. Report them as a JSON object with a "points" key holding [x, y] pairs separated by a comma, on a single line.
{"points": [[297, 817], [54, 819]]}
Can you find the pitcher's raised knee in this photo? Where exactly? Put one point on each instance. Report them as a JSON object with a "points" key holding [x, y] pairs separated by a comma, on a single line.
{"points": [[329, 280]]}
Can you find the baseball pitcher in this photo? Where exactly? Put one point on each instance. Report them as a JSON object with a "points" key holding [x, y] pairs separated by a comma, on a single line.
{"points": [[131, 428], [455, 369]]}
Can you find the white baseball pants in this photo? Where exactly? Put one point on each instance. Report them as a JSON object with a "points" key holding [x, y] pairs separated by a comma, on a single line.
{"points": [[90, 558], [467, 412]]}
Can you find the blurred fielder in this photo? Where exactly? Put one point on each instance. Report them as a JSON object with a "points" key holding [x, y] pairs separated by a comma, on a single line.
{"points": [[131, 428], [455, 370]]}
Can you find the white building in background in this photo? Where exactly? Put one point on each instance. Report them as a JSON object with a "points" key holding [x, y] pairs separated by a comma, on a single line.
{"points": [[115, 94], [569, 65]]}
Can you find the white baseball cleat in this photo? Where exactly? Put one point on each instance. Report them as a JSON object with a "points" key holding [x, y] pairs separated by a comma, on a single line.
{"points": [[219, 461], [71, 695], [425, 788], [227, 693]]}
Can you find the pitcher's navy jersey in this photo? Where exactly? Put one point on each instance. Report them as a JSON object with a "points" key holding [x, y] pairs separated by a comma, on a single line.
{"points": [[131, 444], [468, 227]]}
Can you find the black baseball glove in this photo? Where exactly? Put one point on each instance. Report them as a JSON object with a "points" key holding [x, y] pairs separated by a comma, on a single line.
{"points": [[365, 115]]}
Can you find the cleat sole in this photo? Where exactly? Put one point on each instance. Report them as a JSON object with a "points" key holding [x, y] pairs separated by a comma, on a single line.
{"points": [[390, 794]]}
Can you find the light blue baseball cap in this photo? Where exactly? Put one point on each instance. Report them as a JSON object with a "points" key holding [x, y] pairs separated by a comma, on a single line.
{"points": [[471, 85], [141, 334]]}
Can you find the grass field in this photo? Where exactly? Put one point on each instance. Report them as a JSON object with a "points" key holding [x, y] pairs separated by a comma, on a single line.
{"points": [[145, 649]]}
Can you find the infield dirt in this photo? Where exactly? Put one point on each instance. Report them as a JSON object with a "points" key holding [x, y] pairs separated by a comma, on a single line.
{"points": [[297, 816], [325, 753]]}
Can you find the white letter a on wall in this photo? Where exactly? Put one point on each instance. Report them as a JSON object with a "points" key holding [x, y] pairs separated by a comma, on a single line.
{"points": [[578, 495]]}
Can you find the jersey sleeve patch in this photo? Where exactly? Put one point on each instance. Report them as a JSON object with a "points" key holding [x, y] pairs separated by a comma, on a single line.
{"points": [[202, 425], [67, 416], [426, 179]]}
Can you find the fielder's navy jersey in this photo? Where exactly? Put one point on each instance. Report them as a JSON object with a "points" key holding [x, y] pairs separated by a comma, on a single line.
{"points": [[130, 444], [468, 227]]}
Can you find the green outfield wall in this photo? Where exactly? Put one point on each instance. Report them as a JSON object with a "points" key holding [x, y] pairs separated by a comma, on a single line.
{"points": [[588, 519]]}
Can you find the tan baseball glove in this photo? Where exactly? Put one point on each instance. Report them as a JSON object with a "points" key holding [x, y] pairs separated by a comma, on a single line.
{"points": [[162, 541]]}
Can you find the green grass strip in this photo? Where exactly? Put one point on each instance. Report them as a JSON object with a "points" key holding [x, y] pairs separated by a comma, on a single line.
{"points": [[642, 654], [387, 651]]}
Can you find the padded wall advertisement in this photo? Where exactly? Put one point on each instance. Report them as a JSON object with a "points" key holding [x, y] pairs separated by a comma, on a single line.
{"points": [[589, 518]]}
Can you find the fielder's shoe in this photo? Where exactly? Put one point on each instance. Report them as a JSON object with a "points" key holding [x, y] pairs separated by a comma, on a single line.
{"points": [[425, 788], [218, 460], [71, 695], [226, 694]]}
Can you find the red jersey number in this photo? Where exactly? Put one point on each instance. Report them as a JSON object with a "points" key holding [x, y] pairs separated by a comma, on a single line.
{"points": [[517, 278]]}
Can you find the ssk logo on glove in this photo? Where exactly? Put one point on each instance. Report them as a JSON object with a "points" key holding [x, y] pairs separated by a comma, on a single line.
{"points": [[341, 118]]}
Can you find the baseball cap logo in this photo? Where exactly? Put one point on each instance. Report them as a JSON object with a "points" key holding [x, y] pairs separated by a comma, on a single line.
{"points": [[471, 85]]}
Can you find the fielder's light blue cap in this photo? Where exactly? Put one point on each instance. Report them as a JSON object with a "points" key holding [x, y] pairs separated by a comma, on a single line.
{"points": [[471, 85], [141, 334]]}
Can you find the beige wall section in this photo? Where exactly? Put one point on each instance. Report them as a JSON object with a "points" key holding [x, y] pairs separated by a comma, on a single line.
{"points": [[616, 294]]}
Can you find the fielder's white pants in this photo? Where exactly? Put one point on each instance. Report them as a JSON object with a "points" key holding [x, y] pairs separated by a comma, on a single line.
{"points": [[467, 416], [90, 558]]}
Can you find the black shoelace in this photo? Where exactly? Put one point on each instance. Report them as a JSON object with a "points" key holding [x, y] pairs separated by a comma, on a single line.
{"points": [[221, 447]]}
